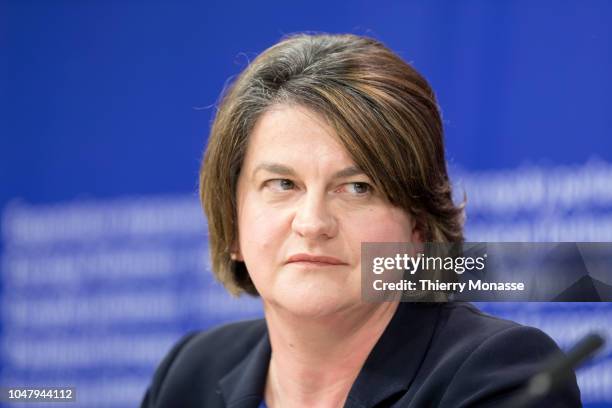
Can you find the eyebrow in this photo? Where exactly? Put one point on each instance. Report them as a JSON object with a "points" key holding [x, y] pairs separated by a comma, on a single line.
{"points": [[284, 170]]}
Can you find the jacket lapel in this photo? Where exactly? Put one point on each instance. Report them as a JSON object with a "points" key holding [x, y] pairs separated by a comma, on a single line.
{"points": [[389, 369], [243, 387], [395, 359]]}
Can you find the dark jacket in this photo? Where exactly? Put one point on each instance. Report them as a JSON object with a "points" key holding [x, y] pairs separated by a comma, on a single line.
{"points": [[430, 355]]}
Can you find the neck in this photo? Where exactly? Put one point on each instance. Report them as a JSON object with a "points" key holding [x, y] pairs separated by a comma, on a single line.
{"points": [[316, 360]]}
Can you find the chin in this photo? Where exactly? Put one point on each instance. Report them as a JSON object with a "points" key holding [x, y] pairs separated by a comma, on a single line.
{"points": [[314, 301]]}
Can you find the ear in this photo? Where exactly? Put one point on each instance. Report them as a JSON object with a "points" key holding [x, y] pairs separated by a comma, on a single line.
{"points": [[417, 231], [417, 241], [417, 236], [235, 253]]}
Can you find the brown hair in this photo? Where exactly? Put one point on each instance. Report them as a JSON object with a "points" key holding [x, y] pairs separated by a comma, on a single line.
{"points": [[383, 111]]}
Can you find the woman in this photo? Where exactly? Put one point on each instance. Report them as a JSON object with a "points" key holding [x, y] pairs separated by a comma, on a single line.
{"points": [[322, 143]]}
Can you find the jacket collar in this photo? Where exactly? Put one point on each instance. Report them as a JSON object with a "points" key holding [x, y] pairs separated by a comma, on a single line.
{"points": [[243, 387], [389, 369], [397, 356]]}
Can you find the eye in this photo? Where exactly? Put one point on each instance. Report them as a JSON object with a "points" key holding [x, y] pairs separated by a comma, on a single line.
{"points": [[358, 188], [280, 184]]}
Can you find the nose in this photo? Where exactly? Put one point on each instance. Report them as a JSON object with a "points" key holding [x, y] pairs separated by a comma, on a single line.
{"points": [[313, 219]]}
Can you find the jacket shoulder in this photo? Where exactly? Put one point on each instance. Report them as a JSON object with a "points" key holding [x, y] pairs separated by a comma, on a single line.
{"points": [[481, 360], [199, 360]]}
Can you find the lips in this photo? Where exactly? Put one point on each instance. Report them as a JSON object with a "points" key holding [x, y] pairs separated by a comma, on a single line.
{"points": [[315, 259]]}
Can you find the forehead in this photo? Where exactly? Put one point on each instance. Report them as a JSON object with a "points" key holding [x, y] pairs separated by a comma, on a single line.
{"points": [[295, 134]]}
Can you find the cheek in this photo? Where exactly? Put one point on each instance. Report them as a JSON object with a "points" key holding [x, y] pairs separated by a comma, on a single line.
{"points": [[260, 231], [383, 225], [256, 250]]}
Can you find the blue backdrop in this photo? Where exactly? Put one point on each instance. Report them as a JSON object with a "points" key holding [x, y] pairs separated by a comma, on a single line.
{"points": [[105, 109]]}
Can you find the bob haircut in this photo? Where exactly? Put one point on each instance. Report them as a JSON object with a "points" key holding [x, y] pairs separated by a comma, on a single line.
{"points": [[383, 111]]}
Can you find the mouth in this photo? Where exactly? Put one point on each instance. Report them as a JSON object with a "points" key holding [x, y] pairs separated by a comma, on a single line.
{"points": [[314, 260]]}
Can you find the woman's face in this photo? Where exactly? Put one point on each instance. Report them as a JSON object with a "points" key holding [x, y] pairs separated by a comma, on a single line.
{"points": [[304, 209]]}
